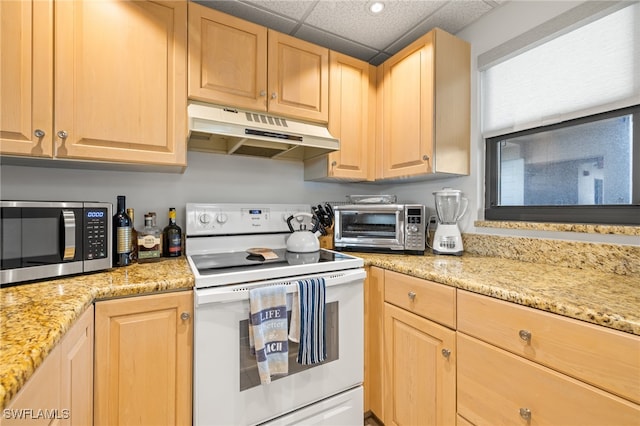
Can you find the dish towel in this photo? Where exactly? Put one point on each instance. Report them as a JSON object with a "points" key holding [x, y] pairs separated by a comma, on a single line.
{"points": [[268, 331], [311, 295]]}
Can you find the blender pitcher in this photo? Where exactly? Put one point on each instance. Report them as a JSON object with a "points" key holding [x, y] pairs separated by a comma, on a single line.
{"points": [[450, 207]]}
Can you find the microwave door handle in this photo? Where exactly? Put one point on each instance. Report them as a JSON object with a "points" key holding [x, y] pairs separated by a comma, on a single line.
{"points": [[69, 234]]}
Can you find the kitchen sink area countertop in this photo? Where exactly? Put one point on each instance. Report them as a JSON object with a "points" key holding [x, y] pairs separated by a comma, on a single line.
{"points": [[34, 317], [601, 298]]}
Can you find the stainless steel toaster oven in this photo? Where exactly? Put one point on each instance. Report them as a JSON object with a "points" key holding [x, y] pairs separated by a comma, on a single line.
{"points": [[389, 228]]}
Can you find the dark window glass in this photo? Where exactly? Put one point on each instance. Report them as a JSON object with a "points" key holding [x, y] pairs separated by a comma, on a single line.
{"points": [[582, 171]]}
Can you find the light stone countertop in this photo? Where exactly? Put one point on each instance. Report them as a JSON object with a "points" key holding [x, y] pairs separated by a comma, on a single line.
{"points": [[602, 298], [34, 317]]}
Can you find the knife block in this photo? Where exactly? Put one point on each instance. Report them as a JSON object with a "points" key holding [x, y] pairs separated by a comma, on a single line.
{"points": [[326, 241]]}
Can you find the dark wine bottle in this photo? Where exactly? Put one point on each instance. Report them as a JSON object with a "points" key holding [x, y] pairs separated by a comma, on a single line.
{"points": [[172, 237], [121, 235]]}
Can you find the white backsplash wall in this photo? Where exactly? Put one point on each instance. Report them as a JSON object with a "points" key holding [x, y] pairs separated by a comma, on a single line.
{"points": [[208, 178]]}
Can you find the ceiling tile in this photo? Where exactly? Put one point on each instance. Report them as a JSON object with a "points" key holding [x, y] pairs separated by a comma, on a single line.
{"points": [[338, 44], [292, 9], [253, 14], [351, 19]]}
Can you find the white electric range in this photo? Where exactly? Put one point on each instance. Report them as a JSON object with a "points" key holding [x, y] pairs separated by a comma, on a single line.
{"points": [[227, 389]]}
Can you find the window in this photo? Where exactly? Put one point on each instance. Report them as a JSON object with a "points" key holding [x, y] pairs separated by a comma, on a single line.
{"points": [[562, 126], [581, 170]]}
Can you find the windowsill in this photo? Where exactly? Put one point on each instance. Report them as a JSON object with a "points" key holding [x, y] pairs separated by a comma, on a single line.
{"points": [[561, 227]]}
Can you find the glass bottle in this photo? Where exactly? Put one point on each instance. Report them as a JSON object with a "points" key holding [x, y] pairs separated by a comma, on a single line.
{"points": [[134, 235], [149, 241], [172, 236], [122, 225]]}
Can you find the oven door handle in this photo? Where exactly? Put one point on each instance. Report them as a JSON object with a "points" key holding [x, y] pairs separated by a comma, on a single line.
{"points": [[233, 293]]}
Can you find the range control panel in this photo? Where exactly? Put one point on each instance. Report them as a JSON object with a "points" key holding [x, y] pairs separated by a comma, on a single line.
{"points": [[236, 219]]}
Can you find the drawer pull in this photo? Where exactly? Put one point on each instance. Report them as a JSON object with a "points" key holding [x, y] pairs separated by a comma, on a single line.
{"points": [[525, 413], [446, 353], [525, 335], [412, 295]]}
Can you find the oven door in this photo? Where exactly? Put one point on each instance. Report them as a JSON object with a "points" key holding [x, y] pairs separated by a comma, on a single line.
{"points": [[371, 226], [227, 390]]}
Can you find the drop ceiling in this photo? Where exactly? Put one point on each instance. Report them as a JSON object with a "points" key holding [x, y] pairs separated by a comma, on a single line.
{"points": [[349, 27]]}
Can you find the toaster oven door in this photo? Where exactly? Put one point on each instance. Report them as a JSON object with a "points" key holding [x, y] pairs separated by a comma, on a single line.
{"points": [[374, 227]]}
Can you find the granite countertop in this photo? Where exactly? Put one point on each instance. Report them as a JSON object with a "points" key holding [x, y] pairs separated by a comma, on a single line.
{"points": [[602, 298], [34, 317]]}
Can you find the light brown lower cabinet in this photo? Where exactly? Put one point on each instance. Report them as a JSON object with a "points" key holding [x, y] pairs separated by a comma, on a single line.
{"points": [[497, 387], [420, 370], [519, 365], [143, 360], [69, 364], [373, 344]]}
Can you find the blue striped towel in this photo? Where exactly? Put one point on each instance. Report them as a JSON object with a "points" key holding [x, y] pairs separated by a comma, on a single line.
{"points": [[268, 331], [311, 294]]}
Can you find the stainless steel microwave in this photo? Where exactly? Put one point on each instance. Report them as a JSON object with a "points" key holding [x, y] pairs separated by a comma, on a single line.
{"points": [[390, 228], [49, 239]]}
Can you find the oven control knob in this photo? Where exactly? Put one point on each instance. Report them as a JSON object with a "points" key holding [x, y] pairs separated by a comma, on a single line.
{"points": [[222, 218], [204, 218], [413, 228]]}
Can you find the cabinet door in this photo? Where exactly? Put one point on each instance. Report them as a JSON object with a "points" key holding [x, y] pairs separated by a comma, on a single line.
{"points": [[298, 78], [227, 59], [351, 117], [408, 91], [143, 359], [76, 393], [36, 395], [26, 78], [120, 79], [374, 349], [496, 387], [419, 369]]}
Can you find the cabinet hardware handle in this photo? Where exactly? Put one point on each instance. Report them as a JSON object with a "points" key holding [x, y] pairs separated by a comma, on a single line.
{"points": [[38, 133], [525, 413], [525, 335], [411, 295], [334, 163], [263, 93], [425, 158], [274, 95], [62, 134], [185, 316], [446, 353]]}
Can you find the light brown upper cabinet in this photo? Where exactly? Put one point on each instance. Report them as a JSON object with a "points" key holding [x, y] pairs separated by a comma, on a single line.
{"points": [[352, 95], [425, 109], [119, 79], [235, 63], [26, 82]]}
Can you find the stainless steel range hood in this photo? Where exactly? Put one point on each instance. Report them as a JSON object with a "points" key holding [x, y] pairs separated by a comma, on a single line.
{"points": [[224, 130]]}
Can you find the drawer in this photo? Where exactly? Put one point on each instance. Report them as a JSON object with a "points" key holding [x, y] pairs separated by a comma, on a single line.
{"points": [[430, 300], [497, 387], [600, 356]]}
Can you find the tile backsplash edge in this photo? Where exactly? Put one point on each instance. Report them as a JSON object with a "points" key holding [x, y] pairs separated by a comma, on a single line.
{"points": [[610, 258]]}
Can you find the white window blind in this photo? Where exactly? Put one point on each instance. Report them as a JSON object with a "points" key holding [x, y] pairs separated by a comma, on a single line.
{"points": [[594, 68]]}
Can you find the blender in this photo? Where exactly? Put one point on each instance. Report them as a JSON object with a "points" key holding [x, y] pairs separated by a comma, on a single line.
{"points": [[450, 207]]}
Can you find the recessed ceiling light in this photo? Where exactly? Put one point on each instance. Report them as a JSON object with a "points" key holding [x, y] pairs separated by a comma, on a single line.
{"points": [[376, 7]]}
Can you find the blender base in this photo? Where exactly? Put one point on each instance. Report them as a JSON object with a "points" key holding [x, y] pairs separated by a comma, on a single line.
{"points": [[447, 240]]}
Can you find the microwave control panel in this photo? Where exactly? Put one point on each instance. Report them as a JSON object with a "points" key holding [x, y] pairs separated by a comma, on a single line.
{"points": [[415, 228], [96, 237]]}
